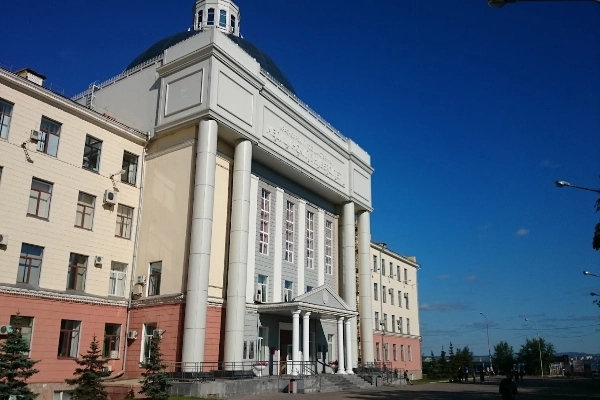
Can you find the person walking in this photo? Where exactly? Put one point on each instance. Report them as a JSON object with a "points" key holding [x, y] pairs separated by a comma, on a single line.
{"points": [[507, 388], [482, 375], [521, 374], [408, 382]]}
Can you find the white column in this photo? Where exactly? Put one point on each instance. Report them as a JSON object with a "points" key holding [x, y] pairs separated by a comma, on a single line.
{"points": [[295, 341], [277, 238], [349, 273], [348, 338], [305, 337], [340, 340], [320, 247], [238, 255], [194, 326], [251, 282], [365, 289], [300, 246]]}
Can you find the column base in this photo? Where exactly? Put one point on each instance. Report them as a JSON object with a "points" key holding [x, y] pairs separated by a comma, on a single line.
{"points": [[350, 372], [341, 373]]}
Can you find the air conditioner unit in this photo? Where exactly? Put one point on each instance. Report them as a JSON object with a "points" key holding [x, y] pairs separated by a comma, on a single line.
{"points": [[132, 335], [35, 136], [5, 329], [3, 239], [108, 368], [141, 280], [114, 354], [98, 260], [258, 296], [110, 196], [138, 290]]}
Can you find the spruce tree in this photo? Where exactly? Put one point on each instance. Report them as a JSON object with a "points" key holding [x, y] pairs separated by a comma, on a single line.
{"points": [[89, 374], [155, 384], [15, 365]]}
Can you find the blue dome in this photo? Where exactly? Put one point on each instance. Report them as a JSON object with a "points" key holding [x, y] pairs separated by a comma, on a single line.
{"points": [[262, 58]]}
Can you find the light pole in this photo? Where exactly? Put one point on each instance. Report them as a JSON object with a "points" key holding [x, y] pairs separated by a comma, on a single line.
{"points": [[487, 326], [589, 273], [539, 345], [561, 184], [502, 3], [381, 324]]}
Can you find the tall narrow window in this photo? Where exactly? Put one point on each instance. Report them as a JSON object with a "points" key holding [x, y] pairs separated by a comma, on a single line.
{"points": [[391, 296], [200, 15], [398, 273], [402, 358], [112, 339], [400, 326], [129, 166], [26, 326], [289, 232], [50, 137], [77, 272], [148, 332], [377, 352], [330, 348], [406, 300], [222, 18], [39, 199], [288, 291], [405, 276], [395, 352], [0, 174], [232, 24], [328, 247], [84, 216], [210, 20], [408, 326], [409, 352], [155, 278], [310, 240], [68, 341], [383, 294], [262, 282], [117, 280], [124, 221], [385, 352], [265, 215], [377, 326], [91, 153], [374, 263], [391, 270], [383, 266], [375, 291], [393, 324], [5, 117], [30, 264], [400, 298], [384, 322]]}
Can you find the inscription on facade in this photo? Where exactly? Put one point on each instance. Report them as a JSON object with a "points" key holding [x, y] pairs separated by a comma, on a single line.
{"points": [[305, 151]]}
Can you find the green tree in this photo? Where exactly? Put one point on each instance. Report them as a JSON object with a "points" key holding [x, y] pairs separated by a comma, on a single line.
{"points": [[430, 368], [89, 374], [15, 365], [130, 394], [443, 367], [155, 384], [504, 356], [530, 355]]}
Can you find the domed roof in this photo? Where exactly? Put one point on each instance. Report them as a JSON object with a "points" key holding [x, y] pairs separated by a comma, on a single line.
{"points": [[262, 58]]}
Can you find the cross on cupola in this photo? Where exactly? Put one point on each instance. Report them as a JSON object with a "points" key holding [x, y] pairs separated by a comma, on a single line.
{"points": [[221, 14]]}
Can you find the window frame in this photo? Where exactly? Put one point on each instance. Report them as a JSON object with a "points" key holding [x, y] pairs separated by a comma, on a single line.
{"points": [[395, 352], [402, 356], [74, 267], [92, 150], [121, 222], [328, 247], [398, 276], [69, 339], [386, 352], [310, 239], [223, 19], [114, 277], [375, 291], [408, 326], [384, 293], [377, 325], [145, 342], [265, 222], [199, 17], [154, 279], [126, 175], [210, 17], [38, 198], [262, 286], [114, 340], [377, 351], [5, 115], [289, 231], [288, 291], [30, 259], [28, 326], [84, 207], [400, 326], [232, 20], [45, 139], [382, 266]]}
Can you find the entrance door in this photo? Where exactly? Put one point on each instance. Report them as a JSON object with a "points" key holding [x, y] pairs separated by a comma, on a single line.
{"points": [[285, 351]]}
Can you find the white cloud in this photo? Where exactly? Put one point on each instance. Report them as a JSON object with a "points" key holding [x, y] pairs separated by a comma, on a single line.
{"points": [[522, 232], [442, 277], [470, 278]]}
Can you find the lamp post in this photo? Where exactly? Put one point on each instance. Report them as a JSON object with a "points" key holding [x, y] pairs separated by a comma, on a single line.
{"points": [[561, 184], [487, 326], [539, 345], [381, 324], [502, 3], [589, 273]]}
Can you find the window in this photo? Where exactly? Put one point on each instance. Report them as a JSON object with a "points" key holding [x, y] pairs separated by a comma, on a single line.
{"points": [[409, 352], [222, 18], [374, 263], [398, 273], [30, 264], [288, 291], [383, 266], [50, 136], [384, 322], [310, 240], [68, 341], [328, 247], [400, 298], [129, 166], [200, 14], [395, 352], [406, 300], [289, 232], [377, 352], [154, 281], [391, 270], [118, 277], [375, 292], [377, 321], [91, 153], [77, 272], [400, 325], [391, 296], [309, 288], [5, 117], [385, 352], [383, 294], [405, 276], [26, 325], [393, 323], [265, 205], [39, 199], [232, 24], [112, 339], [262, 282], [210, 20], [124, 221], [408, 326], [0, 174], [329, 348], [84, 217], [148, 330], [402, 353], [62, 396]]}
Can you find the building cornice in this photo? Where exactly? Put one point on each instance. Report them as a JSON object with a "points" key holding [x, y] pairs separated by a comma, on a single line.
{"points": [[61, 296], [177, 298]]}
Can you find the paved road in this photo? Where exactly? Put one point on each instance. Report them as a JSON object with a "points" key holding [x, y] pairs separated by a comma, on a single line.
{"points": [[533, 388]]}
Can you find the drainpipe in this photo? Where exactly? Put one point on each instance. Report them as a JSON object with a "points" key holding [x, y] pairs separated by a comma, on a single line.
{"points": [[134, 259]]}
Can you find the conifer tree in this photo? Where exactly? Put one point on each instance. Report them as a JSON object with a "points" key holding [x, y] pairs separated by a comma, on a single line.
{"points": [[89, 374], [15, 365], [155, 384], [130, 394]]}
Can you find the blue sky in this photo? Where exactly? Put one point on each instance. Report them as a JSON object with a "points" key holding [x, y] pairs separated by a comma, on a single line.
{"points": [[469, 113]]}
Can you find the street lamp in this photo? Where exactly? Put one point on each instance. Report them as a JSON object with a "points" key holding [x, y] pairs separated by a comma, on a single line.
{"points": [[502, 3], [487, 326], [561, 184], [589, 273], [382, 326], [539, 345]]}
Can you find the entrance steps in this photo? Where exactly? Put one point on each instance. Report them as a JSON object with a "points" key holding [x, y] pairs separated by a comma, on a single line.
{"points": [[336, 383]]}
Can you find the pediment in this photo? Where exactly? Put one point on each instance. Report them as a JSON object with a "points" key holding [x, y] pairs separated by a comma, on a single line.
{"points": [[323, 296]]}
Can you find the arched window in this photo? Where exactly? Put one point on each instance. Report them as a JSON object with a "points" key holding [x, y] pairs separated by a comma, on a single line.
{"points": [[200, 14], [210, 19], [222, 18], [232, 24]]}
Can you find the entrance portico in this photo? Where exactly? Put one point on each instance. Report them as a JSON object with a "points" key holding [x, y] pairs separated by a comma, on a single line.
{"points": [[320, 304]]}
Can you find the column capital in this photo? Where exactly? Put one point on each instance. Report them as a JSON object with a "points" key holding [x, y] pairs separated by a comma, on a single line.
{"points": [[341, 319], [306, 314], [296, 313]]}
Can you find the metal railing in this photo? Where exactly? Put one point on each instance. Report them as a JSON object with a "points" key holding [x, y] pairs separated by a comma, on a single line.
{"points": [[383, 369]]}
